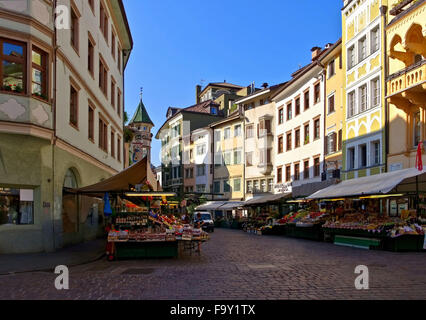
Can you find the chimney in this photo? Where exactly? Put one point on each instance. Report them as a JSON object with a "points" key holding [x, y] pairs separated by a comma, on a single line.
{"points": [[265, 85], [197, 93], [328, 46], [315, 52]]}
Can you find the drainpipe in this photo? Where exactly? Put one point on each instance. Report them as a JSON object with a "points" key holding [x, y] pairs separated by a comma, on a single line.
{"points": [[383, 11], [53, 141]]}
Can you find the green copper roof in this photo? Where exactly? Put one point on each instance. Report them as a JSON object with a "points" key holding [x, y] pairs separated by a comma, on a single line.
{"points": [[141, 115]]}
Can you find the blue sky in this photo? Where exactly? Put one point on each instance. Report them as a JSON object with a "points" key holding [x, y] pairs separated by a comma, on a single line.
{"points": [[177, 44]]}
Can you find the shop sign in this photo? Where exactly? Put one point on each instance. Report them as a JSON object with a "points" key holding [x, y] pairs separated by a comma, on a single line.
{"points": [[395, 167], [282, 188]]}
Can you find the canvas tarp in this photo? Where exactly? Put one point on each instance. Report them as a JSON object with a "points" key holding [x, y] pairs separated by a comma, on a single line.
{"points": [[401, 181]]}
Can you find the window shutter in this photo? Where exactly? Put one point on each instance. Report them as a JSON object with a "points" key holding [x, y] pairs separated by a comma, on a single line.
{"points": [[334, 145], [327, 150], [258, 130]]}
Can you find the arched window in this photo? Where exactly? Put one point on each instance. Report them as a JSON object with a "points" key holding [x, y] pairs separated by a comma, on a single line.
{"points": [[70, 180]]}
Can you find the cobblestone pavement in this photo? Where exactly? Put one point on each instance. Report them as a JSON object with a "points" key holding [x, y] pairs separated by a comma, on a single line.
{"points": [[236, 265]]}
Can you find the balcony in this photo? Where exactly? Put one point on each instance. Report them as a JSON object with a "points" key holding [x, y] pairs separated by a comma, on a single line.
{"points": [[407, 87], [265, 168]]}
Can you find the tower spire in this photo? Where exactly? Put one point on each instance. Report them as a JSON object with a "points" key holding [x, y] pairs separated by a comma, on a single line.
{"points": [[141, 93]]}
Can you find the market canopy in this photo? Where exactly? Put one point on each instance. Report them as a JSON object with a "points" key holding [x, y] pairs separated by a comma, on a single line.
{"points": [[231, 205], [266, 199], [212, 205], [401, 181], [122, 181]]}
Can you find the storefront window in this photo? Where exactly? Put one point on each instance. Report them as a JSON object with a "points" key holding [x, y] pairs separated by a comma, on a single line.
{"points": [[16, 206]]}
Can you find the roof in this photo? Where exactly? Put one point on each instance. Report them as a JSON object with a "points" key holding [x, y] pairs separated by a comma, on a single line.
{"points": [[330, 50], [267, 199], [200, 108], [260, 92], [233, 116], [401, 181], [141, 115], [223, 85]]}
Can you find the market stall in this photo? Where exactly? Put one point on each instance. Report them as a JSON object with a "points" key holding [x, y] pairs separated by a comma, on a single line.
{"points": [[384, 211], [139, 220]]}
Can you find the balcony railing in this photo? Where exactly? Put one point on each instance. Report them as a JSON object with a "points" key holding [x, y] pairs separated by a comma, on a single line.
{"points": [[409, 77]]}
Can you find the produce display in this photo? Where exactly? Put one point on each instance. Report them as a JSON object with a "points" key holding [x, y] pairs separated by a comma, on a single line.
{"points": [[146, 227], [374, 223]]}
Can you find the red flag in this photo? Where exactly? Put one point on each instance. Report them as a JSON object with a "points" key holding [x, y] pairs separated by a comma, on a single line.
{"points": [[419, 161]]}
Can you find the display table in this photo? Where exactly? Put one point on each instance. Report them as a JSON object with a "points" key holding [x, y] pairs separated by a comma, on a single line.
{"points": [[310, 232], [405, 243], [146, 249]]}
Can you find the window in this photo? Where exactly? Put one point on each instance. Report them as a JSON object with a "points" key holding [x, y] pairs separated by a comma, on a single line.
{"points": [[256, 186], [331, 69], [237, 185], [237, 131], [103, 135], [362, 47], [237, 157], [288, 141], [119, 102], [263, 185], [112, 144], [201, 170], [92, 5], [297, 172], [340, 144], [113, 93], [226, 186], [281, 116], [201, 188], [317, 93], [218, 159], [265, 156], [118, 148], [103, 21], [216, 186], [375, 153], [331, 104], [16, 206], [249, 187], [227, 158], [316, 167], [13, 66], [279, 175], [297, 138], [297, 107], [375, 92], [91, 58], [306, 96], [73, 107], [351, 158], [119, 53], [351, 104], [74, 29], [375, 40], [213, 111], [201, 149], [417, 128], [227, 133], [249, 131], [331, 142], [39, 73], [249, 159], [264, 127], [113, 44], [362, 156], [306, 131], [103, 77], [306, 169], [217, 135], [363, 98], [288, 173], [317, 129], [91, 124], [270, 185], [351, 57], [289, 111], [280, 144]]}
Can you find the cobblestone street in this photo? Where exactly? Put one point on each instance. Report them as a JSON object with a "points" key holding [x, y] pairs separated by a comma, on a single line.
{"points": [[236, 265]]}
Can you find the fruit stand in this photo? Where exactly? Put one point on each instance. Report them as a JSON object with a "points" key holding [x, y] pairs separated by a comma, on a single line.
{"points": [[377, 212]]}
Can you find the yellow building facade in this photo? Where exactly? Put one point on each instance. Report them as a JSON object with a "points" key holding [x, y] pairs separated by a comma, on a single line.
{"points": [[228, 172], [406, 81], [363, 55], [334, 115]]}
